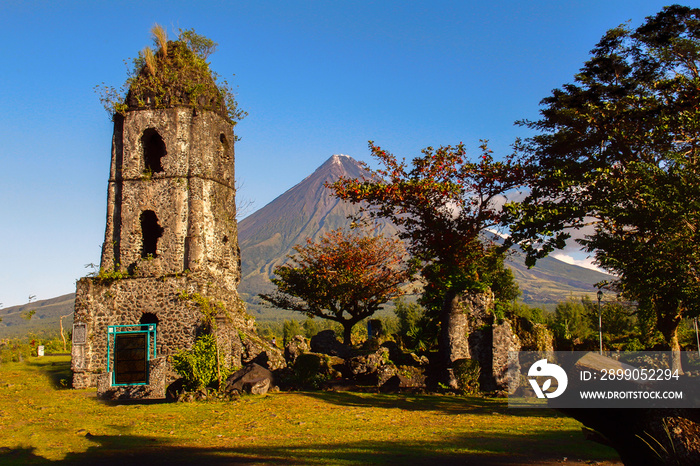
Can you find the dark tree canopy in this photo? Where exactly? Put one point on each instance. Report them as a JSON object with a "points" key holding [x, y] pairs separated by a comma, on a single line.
{"points": [[617, 151]]}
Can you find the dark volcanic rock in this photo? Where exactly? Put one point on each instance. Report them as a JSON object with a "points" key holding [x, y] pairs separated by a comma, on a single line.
{"points": [[253, 379], [325, 342]]}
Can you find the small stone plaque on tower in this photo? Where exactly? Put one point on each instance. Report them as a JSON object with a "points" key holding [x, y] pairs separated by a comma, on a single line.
{"points": [[79, 334]]}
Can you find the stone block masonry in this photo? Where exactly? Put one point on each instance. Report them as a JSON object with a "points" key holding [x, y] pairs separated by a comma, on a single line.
{"points": [[134, 301], [171, 246], [189, 194]]}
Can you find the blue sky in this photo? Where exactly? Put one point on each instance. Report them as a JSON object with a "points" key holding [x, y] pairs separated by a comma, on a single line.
{"points": [[317, 77]]}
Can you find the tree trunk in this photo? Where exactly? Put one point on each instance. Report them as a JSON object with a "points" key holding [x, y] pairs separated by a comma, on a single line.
{"points": [[668, 318], [347, 332]]}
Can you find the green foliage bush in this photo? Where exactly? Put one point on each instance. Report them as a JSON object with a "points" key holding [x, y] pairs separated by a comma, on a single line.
{"points": [[270, 329], [307, 365], [467, 373], [312, 370], [409, 314], [197, 365], [107, 276], [416, 330], [290, 329], [571, 323]]}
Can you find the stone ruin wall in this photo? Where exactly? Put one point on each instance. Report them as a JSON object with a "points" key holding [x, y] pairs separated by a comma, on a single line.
{"points": [[473, 333], [123, 302], [192, 195]]}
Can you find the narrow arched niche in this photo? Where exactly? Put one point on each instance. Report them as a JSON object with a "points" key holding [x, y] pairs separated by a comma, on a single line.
{"points": [[153, 151], [223, 147], [151, 231], [148, 318]]}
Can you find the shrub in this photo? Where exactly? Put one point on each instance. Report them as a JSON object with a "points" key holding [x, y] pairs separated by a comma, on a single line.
{"points": [[197, 365], [312, 370], [467, 373], [307, 366]]}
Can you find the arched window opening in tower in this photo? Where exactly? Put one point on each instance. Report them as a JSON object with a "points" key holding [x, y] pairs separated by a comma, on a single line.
{"points": [[148, 318], [153, 151], [224, 146], [151, 231]]}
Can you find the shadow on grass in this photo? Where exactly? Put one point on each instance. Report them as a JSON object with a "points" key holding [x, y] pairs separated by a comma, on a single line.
{"points": [[444, 404], [56, 368], [493, 450]]}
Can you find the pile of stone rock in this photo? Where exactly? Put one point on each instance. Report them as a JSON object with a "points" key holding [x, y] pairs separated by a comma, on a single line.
{"points": [[324, 362]]}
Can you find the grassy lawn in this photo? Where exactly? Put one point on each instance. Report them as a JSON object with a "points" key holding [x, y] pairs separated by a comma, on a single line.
{"points": [[43, 422]]}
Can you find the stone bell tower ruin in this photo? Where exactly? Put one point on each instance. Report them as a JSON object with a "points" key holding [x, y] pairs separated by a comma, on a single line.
{"points": [[170, 260]]}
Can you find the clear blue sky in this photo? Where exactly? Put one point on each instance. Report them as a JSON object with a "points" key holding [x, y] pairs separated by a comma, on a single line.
{"points": [[317, 78]]}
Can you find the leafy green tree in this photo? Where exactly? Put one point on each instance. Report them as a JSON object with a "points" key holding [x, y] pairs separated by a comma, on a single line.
{"points": [[408, 314], [618, 151], [619, 319], [290, 329], [416, 330], [311, 327], [444, 204], [572, 322], [343, 277]]}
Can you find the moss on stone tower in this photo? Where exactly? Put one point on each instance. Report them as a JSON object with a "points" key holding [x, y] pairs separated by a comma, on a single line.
{"points": [[176, 77]]}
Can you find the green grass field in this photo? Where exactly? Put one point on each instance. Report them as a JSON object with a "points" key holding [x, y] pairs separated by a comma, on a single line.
{"points": [[42, 422]]}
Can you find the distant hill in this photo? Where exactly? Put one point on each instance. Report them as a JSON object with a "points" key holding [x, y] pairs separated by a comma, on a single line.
{"points": [[45, 319], [552, 281], [308, 210]]}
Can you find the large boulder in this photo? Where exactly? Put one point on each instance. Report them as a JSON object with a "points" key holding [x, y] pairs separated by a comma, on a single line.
{"points": [[313, 370], [646, 436], [259, 351], [253, 379], [325, 342], [369, 363], [380, 368], [297, 345], [401, 377], [399, 358]]}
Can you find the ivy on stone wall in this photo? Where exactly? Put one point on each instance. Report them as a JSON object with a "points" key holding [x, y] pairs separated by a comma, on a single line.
{"points": [[209, 308]]}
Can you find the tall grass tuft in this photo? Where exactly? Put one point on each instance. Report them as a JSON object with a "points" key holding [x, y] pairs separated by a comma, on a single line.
{"points": [[150, 60], [160, 37]]}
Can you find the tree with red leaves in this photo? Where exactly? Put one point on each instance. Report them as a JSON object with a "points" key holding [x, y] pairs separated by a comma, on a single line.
{"points": [[444, 204], [345, 277]]}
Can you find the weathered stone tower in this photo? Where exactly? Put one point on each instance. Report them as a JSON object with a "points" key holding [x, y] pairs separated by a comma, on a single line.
{"points": [[170, 261]]}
